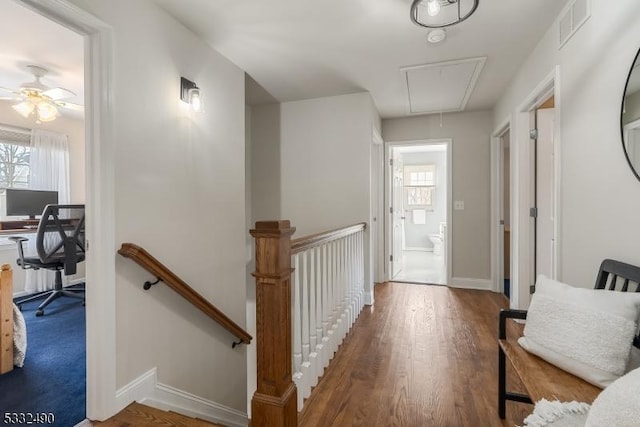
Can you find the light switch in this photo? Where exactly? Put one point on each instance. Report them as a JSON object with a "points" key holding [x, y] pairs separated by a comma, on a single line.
{"points": [[458, 205]]}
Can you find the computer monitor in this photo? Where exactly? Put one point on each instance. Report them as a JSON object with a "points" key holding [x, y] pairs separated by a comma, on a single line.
{"points": [[28, 202]]}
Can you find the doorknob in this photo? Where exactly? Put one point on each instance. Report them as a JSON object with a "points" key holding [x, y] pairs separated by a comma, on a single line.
{"points": [[402, 217]]}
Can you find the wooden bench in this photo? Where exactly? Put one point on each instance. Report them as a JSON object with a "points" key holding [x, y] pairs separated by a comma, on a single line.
{"points": [[541, 379]]}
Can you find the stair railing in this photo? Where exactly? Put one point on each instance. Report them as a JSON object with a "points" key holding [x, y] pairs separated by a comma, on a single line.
{"points": [[302, 314], [164, 274]]}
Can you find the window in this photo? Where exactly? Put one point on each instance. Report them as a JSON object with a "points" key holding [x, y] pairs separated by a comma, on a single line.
{"points": [[419, 185], [14, 159]]}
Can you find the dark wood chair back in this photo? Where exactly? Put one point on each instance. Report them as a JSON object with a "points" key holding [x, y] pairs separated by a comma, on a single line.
{"points": [[619, 276]]}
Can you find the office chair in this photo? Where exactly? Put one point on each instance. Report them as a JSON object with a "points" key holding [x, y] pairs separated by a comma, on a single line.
{"points": [[59, 246]]}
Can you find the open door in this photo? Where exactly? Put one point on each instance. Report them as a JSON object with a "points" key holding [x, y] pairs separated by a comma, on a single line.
{"points": [[545, 193], [397, 214]]}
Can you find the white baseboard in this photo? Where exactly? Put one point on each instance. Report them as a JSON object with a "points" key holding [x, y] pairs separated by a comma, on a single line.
{"points": [[368, 298], [467, 283], [147, 390], [137, 390], [84, 423]]}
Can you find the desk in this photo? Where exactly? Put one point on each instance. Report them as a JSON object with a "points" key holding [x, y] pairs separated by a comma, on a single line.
{"points": [[19, 224]]}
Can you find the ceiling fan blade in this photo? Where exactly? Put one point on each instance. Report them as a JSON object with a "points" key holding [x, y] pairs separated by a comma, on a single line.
{"points": [[6, 89], [70, 105], [10, 98], [58, 93]]}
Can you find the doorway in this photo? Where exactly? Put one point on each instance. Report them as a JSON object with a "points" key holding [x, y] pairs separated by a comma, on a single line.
{"points": [[52, 376], [501, 206], [543, 140], [100, 196], [418, 183]]}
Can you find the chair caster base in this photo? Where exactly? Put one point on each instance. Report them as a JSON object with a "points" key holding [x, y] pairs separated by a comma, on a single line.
{"points": [[39, 313]]}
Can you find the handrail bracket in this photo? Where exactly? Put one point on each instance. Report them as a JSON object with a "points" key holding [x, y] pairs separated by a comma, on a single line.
{"points": [[148, 284]]}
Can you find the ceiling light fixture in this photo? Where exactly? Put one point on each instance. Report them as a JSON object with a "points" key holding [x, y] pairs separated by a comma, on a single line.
{"points": [[441, 13]]}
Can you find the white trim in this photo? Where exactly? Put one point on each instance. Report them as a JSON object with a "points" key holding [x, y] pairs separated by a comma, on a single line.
{"points": [[497, 246], [137, 390], [100, 212], [468, 283], [147, 390], [170, 398], [84, 423], [387, 202]]}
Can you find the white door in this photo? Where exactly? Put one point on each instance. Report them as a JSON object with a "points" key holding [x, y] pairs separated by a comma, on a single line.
{"points": [[545, 182], [397, 215]]}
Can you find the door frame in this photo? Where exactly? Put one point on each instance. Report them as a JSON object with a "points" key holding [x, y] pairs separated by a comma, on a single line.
{"points": [[388, 146], [522, 225], [100, 196], [497, 202]]}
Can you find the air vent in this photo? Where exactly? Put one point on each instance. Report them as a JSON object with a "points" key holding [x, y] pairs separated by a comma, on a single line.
{"points": [[572, 17]]}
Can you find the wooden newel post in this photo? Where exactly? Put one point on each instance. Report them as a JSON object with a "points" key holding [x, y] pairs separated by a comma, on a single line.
{"points": [[274, 403]]}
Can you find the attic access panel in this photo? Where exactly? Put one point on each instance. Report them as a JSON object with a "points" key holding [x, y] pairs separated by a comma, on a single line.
{"points": [[441, 87]]}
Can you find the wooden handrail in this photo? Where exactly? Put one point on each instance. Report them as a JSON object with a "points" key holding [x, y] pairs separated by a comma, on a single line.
{"points": [[155, 267], [303, 243]]}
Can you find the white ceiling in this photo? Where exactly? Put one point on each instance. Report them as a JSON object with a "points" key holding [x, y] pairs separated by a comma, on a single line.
{"points": [[300, 49], [28, 38]]}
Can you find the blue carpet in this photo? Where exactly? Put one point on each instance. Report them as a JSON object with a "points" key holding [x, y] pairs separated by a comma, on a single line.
{"points": [[507, 288], [53, 378]]}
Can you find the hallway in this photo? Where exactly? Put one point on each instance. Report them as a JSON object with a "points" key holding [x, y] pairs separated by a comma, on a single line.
{"points": [[422, 356]]}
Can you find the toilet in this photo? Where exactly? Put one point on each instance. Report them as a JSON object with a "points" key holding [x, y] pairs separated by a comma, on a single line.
{"points": [[438, 240], [437, 243]]}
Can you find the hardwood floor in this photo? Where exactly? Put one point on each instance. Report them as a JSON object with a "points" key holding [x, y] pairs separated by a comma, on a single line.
{"points": [[137, 415], [422, 356]]}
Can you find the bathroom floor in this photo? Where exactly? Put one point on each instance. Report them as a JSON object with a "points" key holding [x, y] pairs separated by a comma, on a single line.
{"points": [[422, 267]]}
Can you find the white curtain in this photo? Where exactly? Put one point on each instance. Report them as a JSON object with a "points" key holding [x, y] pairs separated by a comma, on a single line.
{"points": [[49, 170]]}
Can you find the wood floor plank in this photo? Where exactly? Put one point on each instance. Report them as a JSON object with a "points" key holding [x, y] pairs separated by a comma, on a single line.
{"points": [[138, 415], [422, 356]]}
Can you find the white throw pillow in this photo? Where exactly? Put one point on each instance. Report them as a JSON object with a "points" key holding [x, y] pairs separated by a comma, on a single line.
{"points": [[587, 332], [618, 405]]}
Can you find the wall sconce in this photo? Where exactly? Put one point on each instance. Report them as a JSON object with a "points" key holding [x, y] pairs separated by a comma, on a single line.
{"points": [[190, 93]]}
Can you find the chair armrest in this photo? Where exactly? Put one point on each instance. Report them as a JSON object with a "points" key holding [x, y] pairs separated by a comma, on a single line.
{"points": [[19, 241], [509, 314]]}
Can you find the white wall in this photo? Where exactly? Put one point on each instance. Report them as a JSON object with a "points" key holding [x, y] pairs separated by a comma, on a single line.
{"points": [[470, 134], [417, 235], [600, 197], [179, 193], [325, 161], [326, 166]]}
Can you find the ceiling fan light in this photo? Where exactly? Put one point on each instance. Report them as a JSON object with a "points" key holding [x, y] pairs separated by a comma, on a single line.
{"points": [[47, 112], [24, 108]]}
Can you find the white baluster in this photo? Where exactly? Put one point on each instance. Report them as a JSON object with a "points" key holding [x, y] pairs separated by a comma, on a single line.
{"points": [[361, 267], [334, 298], [306, 365], [297, 324], [326, 309], [319, 345], [313, 342]]}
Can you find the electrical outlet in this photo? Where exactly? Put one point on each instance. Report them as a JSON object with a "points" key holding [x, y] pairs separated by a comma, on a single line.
{"points": [[458, 205]]}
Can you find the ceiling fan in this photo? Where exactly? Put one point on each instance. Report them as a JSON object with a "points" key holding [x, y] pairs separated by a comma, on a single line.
{"points": [[38, 99]]}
